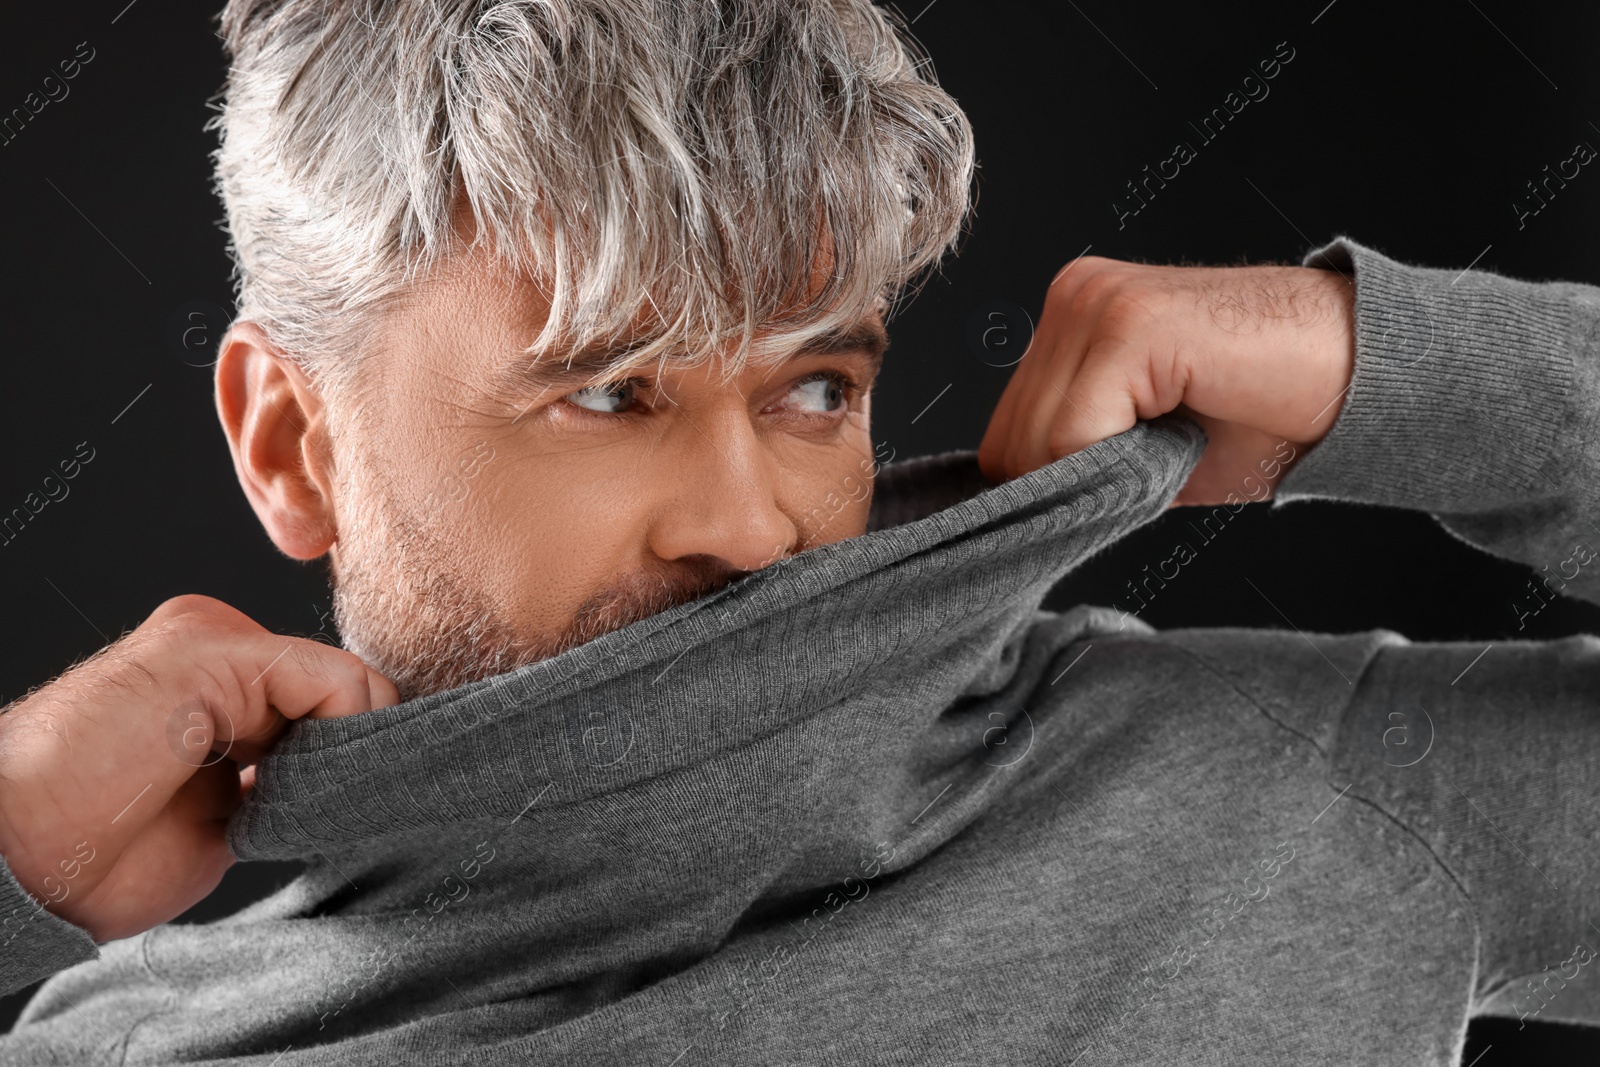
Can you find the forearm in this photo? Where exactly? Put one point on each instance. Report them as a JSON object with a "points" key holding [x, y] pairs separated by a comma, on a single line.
{"points": [[1475, 398]]}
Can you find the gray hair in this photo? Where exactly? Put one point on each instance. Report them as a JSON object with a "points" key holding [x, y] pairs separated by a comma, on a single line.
{"points": [[701, 158]]}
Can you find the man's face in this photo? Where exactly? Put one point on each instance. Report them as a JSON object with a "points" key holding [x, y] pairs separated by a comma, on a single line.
{"points": [[488, 518]]}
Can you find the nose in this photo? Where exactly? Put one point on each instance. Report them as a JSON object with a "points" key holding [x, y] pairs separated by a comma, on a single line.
{"points": [[724, 499]]}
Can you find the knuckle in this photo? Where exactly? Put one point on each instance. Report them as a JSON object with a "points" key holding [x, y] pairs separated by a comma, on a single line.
{"points": [[181, 603], [1100, 282], [1083, 265], [335, 665], [195, 613], [1104, 361], [186, 604], [1124, 305], [1070, 281], [351, 671]]}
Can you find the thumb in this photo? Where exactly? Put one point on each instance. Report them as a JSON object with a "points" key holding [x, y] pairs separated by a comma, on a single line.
{"points": [[382, 691]]}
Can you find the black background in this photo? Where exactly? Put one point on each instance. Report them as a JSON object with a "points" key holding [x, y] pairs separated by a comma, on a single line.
{"points": [[1410, 128]]}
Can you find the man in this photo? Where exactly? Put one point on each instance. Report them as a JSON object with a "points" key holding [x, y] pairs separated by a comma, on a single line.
{"points": [[673, 725]]}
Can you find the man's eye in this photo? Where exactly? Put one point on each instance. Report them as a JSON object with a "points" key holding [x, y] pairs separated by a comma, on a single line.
{"points": [[823, 392], [612, 398]]}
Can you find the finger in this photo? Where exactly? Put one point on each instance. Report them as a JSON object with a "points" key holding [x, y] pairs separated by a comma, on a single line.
{"points": [[1099, 403], [382, 691], [1028, 402], [1053, 352], [1096, 404], [1028, 443], [173, 863], [295, 677], [123, 735], [993, 449], [210, 795], [1036, 395], [275, 679]]}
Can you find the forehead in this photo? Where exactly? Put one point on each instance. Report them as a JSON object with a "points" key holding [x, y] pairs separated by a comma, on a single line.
{"points": [[474, 320], [484, 320], [517, 371]]}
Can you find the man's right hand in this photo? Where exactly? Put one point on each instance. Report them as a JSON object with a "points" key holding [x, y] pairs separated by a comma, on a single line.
{"points": [[117, 779]]}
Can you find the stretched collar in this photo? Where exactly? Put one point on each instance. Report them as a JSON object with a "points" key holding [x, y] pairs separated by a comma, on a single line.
{"points": [[950, 568]]}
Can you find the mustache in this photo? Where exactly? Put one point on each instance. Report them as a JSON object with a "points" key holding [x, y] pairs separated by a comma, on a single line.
{"points": [[640, 596]]}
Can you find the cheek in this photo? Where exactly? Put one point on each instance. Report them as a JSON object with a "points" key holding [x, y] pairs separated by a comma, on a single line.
{"points": [[547, 532], [831, 489]]}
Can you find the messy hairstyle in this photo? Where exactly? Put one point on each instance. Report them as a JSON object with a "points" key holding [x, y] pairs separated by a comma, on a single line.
{"points": [[699, 158]]}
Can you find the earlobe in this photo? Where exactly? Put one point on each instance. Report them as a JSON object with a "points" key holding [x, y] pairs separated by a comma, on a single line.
{"points": [[274, 421]]}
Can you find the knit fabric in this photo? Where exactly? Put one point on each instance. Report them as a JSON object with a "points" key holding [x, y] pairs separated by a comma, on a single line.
{"points": [[873, 805]]}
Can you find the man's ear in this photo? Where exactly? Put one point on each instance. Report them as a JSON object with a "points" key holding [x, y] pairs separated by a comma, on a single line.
{"points": [[277, 431]]}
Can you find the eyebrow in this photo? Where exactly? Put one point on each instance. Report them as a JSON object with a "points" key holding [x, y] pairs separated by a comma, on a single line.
{"points": [[520, 377]]}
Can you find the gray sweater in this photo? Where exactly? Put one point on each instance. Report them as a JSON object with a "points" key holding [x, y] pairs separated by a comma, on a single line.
{"points": [[872, 805]]}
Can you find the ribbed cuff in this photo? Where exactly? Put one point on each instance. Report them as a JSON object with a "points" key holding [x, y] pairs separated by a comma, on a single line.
{"points": [[35, 943], [1462, 381]]}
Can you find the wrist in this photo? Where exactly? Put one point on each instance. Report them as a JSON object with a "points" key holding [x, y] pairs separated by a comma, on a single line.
{"points": [[1277, 351], [1330, 338]]}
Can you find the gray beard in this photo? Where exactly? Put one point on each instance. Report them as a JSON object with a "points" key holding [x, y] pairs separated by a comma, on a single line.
{"points": [[401, 608]]}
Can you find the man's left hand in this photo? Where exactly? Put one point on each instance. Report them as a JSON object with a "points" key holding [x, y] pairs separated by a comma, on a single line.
{"points": [[1260, 357]]}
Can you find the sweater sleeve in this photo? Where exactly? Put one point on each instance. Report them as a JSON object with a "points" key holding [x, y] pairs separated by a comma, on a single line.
{"points": [[1475, 398], [34, 942]]}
